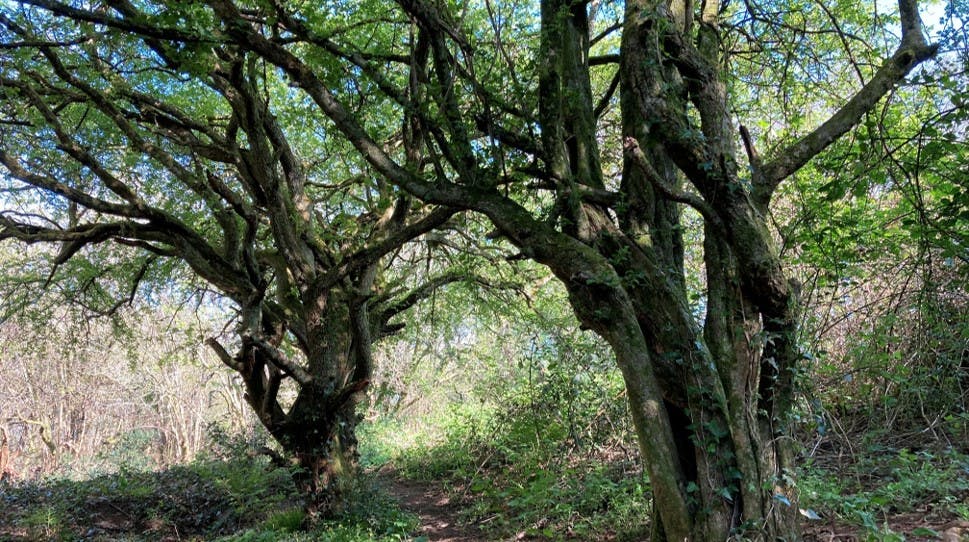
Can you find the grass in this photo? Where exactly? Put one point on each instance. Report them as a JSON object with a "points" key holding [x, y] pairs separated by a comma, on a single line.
{"points": [[584, 500], [373, 516], [519, 470]]}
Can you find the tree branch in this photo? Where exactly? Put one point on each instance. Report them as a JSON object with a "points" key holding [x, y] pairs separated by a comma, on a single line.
{"points": [[631, 147], [602, 60], [19, 172], [278, 358], [126, 25], [224, 355], [371, 254], [912, 51], [417, 295], [607, 97]]}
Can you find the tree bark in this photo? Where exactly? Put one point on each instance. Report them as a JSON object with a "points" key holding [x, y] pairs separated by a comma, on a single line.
{"points": [[318, 432], [325, 448]]}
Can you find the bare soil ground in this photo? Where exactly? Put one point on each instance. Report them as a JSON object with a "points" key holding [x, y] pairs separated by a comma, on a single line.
{"points": [[439, 515]]}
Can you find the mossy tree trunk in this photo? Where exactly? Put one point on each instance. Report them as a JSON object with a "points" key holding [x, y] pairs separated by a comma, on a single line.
{"points": [[317, 432], [710, 398]]}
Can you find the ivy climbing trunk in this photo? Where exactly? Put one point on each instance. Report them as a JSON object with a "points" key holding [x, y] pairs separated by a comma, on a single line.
{"points": [[325, 447]]}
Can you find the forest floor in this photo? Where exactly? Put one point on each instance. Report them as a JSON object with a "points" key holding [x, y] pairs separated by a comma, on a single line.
{"points": [[440, 518], [198, 505], [899, 527]]}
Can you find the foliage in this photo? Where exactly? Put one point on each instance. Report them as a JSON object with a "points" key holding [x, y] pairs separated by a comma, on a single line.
{"points": [[547, 454], [274, 158], [517, 480], [239, 498], [877, 231], [205, 498], [167, 166], [885, 483], [373, 516]]}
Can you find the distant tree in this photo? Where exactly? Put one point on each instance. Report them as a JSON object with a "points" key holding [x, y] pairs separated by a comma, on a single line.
{"points": [[510, 110], [82, 394]]}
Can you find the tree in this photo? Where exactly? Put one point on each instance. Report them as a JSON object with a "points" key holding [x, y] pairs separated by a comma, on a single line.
{"points": [[510, 111], [151, 165]]}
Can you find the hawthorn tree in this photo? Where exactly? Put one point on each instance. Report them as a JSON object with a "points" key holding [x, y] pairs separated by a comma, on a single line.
{"points": [[589, 133], [143, 166]]}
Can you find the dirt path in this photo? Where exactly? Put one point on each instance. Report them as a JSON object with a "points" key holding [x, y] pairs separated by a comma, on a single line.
{"points": [[439, 516]]}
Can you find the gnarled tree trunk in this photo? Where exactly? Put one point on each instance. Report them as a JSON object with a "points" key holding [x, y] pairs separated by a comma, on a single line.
{"points": [[318, 431], [325, 448]]}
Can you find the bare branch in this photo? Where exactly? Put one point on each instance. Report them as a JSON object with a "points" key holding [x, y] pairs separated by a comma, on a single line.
{"points": [[605, 33], [371, 254], [73, 237], [39, 43], [418, 294], [224, 355], [132, 291], [912, 34], [607, 97], [430, 18], [602, 60], [511, 138]]}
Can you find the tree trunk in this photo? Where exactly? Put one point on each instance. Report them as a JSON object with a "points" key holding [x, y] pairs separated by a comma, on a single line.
{"points": [[327, 457], [707, 403], [318, 432], [318, 437]]}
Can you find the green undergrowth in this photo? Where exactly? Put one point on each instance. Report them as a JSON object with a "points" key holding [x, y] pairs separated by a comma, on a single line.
{"points": [[882, 484], [373, 516], [566, 469], [239, 498], [552, 461], [206, 498]]}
